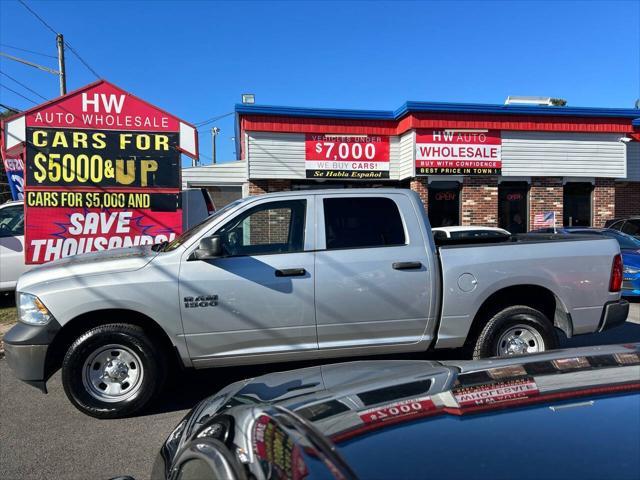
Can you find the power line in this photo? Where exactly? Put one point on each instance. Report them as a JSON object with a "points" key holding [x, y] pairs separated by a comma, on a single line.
{"points": [[7, 107], [211, 120], [38, 17], [81, 59], [18, 93], [67, 44], [23, 85], [28, 51]]}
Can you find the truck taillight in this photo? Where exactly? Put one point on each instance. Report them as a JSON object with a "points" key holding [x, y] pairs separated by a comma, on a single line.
{"points": [[615, 284]]}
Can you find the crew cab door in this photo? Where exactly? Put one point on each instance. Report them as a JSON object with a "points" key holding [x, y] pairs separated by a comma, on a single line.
{"points": [[259, 296], [372, 271]]}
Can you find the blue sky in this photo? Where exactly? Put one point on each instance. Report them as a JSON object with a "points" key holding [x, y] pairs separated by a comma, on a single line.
{"points": [[194, 59]]}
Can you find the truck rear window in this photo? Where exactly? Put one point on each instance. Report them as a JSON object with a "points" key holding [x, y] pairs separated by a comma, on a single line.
{"points": [[357, 222]]}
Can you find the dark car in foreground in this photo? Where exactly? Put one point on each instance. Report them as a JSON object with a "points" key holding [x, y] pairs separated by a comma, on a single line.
{"points": [[561, 414], [629, 248]]}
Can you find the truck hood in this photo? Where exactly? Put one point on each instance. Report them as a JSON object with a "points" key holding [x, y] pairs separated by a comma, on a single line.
{"points": [[94, 263]]}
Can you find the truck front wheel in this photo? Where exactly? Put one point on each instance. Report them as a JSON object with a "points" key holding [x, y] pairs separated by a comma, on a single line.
{"points": [[516, 330], [112, 371]]}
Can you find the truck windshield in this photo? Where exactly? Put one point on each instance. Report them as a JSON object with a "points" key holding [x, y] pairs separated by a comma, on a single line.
{"points": [[193, 231]]}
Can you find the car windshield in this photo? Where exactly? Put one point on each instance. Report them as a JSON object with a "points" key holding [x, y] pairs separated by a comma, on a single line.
{"points": [[196, 229], [11, 220]]}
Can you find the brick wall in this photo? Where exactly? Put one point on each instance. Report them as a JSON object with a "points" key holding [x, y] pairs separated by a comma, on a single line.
{"points": [[604, 201], [421, 186], [269, 226], [479, 205], [627, 198], [545, 195], [260, 187]]}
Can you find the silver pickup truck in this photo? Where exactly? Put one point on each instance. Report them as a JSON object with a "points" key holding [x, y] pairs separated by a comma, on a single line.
{"points": [[301, 275]]}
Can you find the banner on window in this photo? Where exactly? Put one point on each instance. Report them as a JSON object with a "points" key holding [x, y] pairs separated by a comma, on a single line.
{"points": [[353, 157], [458, 152]]}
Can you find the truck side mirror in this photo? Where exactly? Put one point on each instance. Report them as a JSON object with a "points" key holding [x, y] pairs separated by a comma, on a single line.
{"points": [[209, 248]]}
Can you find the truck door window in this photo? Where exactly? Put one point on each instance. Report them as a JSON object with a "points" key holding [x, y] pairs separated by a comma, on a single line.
{"points": [[358, 222], [274, 227]]}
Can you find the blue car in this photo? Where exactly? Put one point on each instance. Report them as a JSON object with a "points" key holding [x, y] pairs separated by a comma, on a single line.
{"points": [[629, 247]]}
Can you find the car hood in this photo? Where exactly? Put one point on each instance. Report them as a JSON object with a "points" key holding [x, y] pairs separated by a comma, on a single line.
{"points": [[356, 403], [94, 263]]}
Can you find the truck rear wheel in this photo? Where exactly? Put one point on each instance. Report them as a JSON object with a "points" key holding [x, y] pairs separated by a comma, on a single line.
{"points": [[112, 371], [516, 330]]}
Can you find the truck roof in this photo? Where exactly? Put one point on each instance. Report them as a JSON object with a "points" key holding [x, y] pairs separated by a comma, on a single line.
{"points": [[348, 191]]}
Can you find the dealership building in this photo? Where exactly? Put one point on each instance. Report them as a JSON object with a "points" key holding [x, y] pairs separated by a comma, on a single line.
{"points": [[472, 164]]}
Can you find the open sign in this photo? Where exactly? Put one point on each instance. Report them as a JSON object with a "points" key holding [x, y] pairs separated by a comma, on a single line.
{"points": [[445, 196]]}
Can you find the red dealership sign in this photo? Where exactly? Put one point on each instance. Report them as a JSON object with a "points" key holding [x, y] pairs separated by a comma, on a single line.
{"points": [[102, 170], [458, 152], [347, 156]]}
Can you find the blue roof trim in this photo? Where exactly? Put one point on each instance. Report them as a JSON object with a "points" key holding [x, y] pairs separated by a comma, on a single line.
{"points": [[408, 107], [315, 112]]}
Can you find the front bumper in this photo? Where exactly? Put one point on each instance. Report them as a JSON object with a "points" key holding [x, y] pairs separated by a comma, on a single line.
{"points": [[26, 348], [614, 314]]}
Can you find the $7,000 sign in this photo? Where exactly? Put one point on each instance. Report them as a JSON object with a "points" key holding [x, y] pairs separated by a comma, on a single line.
{"points": [[347, 156]]}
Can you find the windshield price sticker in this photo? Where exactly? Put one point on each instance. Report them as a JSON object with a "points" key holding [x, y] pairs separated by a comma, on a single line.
{"points": [[458, 152], [347, 156], [402, 409], [495, 393]]}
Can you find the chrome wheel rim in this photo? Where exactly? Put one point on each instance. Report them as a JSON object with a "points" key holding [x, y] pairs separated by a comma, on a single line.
{"points": [[113, 373], [520, 340]]}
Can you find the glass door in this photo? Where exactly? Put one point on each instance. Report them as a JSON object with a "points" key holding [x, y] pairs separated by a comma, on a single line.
{"points": [[513, 212]]}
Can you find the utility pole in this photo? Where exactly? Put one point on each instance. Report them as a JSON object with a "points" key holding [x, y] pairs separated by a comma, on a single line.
{"points": [[214, 133], [61, 65]]}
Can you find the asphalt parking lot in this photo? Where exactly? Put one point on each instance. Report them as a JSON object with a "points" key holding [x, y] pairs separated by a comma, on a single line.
{"points": [[43, 436]]}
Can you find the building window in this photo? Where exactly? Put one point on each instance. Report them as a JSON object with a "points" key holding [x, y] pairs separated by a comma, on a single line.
{"points": [[512, 206], [444, 204], [577, 204], [224, 195]]}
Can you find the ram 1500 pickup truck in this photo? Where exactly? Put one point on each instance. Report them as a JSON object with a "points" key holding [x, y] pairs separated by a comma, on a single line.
{"points": [[301, 275]]}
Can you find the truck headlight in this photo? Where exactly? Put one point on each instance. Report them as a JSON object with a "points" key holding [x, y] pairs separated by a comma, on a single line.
{"points": [[32, 310], [631, 270]]}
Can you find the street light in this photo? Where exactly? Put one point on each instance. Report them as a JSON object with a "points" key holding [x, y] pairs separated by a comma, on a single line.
{"points": [[248, 99]]}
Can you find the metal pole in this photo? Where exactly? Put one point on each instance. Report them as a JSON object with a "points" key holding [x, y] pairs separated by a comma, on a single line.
{"points": [[214, 134], [61, 65]]}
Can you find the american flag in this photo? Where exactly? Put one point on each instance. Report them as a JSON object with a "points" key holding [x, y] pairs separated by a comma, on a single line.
{"points": [[547, 219]]}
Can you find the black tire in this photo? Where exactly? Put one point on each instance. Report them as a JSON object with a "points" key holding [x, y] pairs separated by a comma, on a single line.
{"points": [[133, 339], [486, 345]]}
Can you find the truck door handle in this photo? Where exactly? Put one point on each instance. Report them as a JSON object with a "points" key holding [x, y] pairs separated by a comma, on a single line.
{"points": [[406, 265], [291, 272]]}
